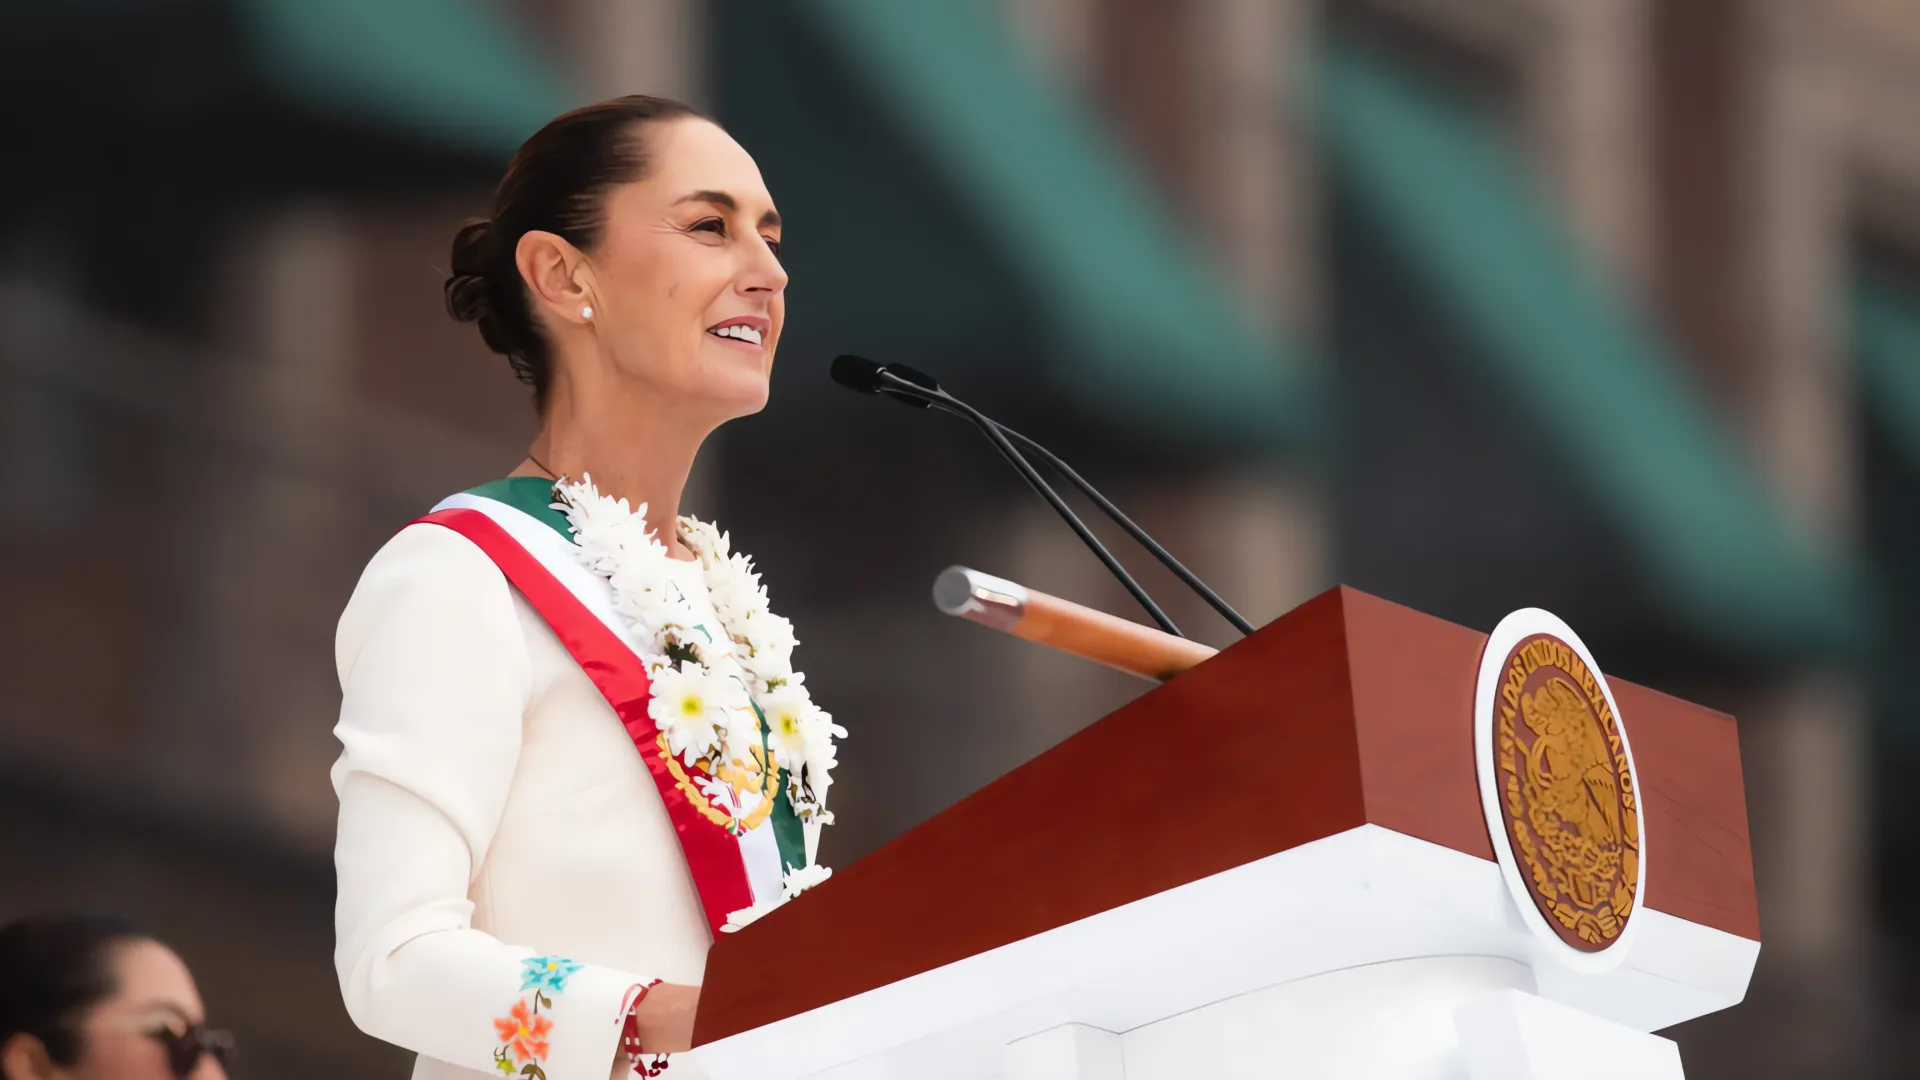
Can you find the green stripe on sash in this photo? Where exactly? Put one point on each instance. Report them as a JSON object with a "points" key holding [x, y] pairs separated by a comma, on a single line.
{"points": [[531, 495], [788, 834]]}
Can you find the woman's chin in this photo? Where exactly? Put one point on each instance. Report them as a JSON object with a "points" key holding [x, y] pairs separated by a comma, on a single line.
{"points": [[740, 392]]}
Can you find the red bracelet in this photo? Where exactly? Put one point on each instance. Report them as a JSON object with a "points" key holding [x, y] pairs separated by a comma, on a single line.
{"points": [[630, 1036]]}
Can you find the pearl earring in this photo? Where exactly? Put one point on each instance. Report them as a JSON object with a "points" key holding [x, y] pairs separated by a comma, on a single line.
{"points": [[586, 313]]}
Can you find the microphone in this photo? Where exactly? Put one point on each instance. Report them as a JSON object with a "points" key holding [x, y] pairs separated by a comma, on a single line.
{"points": [[859, 373], [926, 382]]}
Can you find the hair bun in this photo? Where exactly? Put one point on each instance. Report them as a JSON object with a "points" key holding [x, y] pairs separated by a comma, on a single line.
{"points": [[473, 248], [469, 297], [469, 292]]}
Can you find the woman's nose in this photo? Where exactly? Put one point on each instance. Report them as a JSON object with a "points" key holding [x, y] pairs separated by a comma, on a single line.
{"points": [[764, 272]]}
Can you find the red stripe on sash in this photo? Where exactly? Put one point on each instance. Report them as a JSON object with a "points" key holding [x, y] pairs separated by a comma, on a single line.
{"points": [[713, 855]]}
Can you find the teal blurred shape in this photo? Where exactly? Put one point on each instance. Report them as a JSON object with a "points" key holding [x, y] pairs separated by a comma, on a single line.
{"points": [[1141, 329], [451, 69], [1884, 315], [1571, 361]]}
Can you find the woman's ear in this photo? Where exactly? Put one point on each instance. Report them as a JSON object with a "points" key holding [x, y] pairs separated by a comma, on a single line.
{"points": [[557, 276], [25, 1057]]}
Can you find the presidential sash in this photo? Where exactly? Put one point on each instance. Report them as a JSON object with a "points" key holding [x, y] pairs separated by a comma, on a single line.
{"points": [[732, 871]]}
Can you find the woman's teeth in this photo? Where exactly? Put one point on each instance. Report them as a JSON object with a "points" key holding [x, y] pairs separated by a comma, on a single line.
{"points": [[740, 331]]}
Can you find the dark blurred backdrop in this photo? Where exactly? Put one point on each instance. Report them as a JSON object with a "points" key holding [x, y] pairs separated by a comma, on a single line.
{"points": [[1313, 287]]}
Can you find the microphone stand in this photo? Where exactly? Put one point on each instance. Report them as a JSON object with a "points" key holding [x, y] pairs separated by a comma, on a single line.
{"points": [[889, 381]]}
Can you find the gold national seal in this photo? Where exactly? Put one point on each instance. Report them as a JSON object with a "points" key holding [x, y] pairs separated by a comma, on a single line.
{"points": [[1566, 792]]}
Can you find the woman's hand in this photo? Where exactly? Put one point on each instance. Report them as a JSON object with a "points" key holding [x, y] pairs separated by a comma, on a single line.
{"points": [[665, 1018]]}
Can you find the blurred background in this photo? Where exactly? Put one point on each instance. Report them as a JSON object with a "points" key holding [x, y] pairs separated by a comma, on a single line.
{"points": [[1607, 306]]}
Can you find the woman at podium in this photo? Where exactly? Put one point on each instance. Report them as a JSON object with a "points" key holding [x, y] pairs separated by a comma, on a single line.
{"points": [[574, 747]]}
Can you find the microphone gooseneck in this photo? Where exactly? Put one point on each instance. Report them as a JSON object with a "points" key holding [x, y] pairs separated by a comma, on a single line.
{"points": [[886, 382], [1189, 578], [910, 386]]}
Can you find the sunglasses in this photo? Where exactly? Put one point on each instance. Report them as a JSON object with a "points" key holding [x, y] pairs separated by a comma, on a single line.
{"points": [[186, 1048]]}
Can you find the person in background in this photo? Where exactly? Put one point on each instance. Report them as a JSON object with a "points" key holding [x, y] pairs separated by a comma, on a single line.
{"points": [[95, 998]]}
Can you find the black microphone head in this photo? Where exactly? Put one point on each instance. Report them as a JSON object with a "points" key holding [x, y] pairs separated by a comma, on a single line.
{"points": [[862, 374], [913, 375], [856, 373]]}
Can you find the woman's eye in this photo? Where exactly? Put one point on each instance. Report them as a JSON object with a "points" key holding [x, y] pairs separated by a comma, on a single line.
{"points": [[712, 225], [773, 245]]}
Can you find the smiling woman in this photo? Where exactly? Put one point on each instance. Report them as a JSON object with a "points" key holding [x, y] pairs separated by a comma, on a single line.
{"points": [[574, 745]]}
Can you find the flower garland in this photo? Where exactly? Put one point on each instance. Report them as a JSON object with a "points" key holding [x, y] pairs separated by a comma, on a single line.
{"points": [[710, 720]]}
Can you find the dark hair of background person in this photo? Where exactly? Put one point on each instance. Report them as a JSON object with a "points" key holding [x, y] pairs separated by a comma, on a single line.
{"points": [[557, 182], [53, 968]]}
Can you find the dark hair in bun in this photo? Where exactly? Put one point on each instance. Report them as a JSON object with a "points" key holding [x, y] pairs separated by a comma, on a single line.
{"points": [[557, 183]]}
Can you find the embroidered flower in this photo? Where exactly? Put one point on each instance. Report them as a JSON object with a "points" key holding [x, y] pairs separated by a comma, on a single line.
{"points": [[548, 974], [524, 1033]]}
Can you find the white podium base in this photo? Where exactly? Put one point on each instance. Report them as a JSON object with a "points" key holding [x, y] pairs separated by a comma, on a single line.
{"points": [[1387, 1021], [1331, 971], [1443, 1018]]}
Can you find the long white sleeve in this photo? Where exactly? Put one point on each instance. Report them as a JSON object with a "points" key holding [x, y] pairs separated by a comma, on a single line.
{"points": [[436, 678]]}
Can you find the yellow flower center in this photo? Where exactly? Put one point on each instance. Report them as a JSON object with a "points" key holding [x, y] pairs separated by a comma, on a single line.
{"points": [[691, 705], [789, 724]]}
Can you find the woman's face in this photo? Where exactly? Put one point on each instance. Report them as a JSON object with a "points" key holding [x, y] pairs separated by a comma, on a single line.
{"points": [[118, 1037], [690, 295]]}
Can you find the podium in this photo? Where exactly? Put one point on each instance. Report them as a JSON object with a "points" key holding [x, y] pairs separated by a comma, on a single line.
{"points": [[1278, 863]]}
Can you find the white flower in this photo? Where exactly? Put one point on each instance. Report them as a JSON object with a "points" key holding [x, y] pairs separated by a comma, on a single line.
{"points": [[770, 642], [806, 877], [743, 729], [815, 774], [689, 706], [819, 732], [735, 589], [705, 539], [747, 916], [592, 514], [768, 632], [788, 711], [654, 611], [793, 884]]}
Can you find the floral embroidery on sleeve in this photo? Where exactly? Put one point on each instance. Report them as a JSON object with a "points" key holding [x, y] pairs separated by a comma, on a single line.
{"points": [[523, 1031]]}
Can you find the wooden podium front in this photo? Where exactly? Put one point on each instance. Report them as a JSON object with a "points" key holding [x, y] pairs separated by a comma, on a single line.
{"points": [[1276, 864]]}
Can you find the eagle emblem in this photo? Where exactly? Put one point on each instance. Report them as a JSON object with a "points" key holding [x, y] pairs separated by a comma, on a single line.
{"points": [[1567, 790]]}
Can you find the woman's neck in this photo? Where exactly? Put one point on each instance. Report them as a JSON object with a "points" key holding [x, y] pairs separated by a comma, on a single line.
{"points": [[634, 449]]}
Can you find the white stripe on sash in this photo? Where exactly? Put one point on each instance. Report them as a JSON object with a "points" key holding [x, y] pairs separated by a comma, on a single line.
{"points": [[559, 555]]}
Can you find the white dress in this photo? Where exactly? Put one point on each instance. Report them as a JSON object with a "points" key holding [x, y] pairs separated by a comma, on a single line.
{"points": [[501, 844]]}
